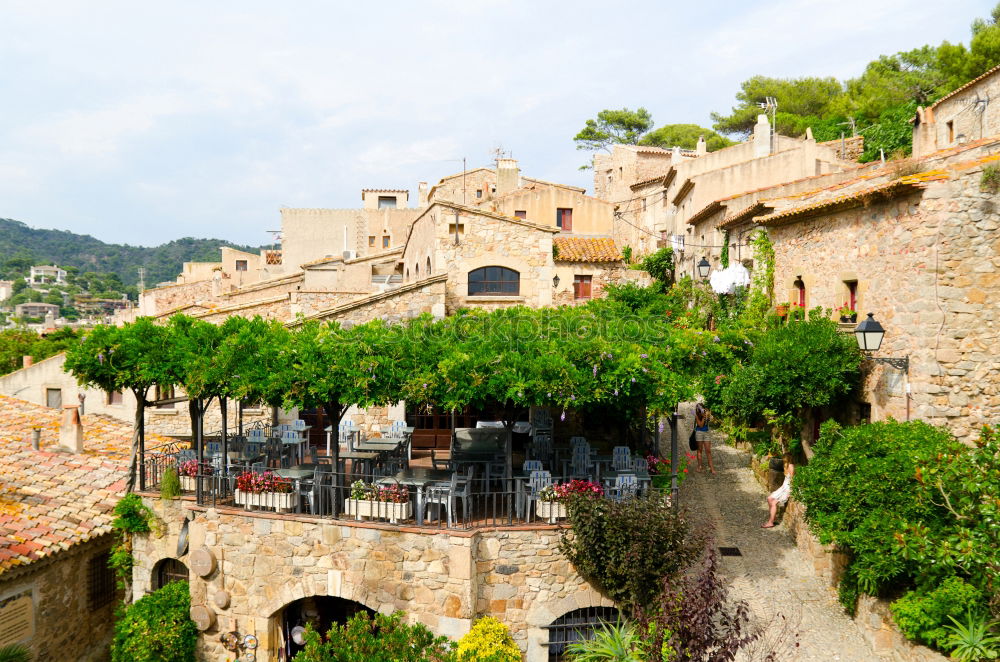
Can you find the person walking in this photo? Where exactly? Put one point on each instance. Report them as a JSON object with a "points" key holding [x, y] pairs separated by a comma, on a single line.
{"points": [[701, 435], [781, 494]]}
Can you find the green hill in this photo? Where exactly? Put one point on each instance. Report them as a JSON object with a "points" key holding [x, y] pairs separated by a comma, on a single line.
{"points": [[22, 246]]}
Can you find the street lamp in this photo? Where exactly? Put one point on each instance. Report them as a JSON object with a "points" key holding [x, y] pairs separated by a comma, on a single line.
{"points": [[704, 267], [555, 281], [869, 334]]}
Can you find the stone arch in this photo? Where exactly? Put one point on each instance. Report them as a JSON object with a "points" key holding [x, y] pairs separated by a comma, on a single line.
{"points": [[543, 613], [297, 590], [168, 570]]}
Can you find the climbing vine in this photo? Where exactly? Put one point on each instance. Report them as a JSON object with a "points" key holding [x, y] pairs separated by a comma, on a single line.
{"points": [[762, 285], [131, 516], [724, 258]]}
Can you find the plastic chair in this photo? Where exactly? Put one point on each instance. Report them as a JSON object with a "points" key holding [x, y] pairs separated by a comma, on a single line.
{"points": [[538, 481], [621, 458], [626, 487], [532, 465], [316, 491], [446, 494]]}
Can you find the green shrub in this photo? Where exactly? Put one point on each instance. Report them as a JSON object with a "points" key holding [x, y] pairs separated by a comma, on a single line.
{"points": [[974, 639], [660, 265], [15, 653], [626, 548], [789, 370], [170, 484], [489, 640], [924, 616], [157, 628], [861, 488], [384, 638], [989, 181], [612, 642], [131, 516]]}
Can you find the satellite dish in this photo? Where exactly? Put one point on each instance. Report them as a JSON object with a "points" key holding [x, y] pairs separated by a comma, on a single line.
{"points": [[298, 635]]}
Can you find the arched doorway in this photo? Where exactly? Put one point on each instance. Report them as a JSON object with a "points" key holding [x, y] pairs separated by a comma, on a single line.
{"points": [[167, 571], [322, 611], [577, 625]]}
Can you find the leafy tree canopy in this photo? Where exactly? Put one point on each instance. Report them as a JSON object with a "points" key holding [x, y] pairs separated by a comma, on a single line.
{"points": [[684, 136], [614, 127], [878, 103]]}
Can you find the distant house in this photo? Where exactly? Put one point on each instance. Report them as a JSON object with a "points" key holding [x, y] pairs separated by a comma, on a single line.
{"points": [[36, 310], [47, 275], [962, 116]]}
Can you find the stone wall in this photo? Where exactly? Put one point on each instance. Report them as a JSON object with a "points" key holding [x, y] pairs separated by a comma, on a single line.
{"points": [[928, 267], [444, 579], [395, 305], [965, 117], [265, 290], [65, 625], [872, 617], [602, 274], [160, 300]]}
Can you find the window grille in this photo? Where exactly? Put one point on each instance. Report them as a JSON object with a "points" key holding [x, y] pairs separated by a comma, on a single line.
{"points": [[102, 581], [577, 625]]}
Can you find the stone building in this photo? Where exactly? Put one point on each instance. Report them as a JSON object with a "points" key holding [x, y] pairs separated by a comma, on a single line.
{"points": [[913, 243], [659, 193], [57, 594], [962, 116]]}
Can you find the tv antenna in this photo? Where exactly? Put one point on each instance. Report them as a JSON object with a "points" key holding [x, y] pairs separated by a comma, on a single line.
{"points": [[142, 278], [770, 105]]}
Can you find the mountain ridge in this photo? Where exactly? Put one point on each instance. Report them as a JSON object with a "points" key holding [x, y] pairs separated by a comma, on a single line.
{"points": [[19, 243]]}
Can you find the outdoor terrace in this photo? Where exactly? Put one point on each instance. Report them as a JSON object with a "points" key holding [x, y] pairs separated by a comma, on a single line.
{"points": [[475, 484]]}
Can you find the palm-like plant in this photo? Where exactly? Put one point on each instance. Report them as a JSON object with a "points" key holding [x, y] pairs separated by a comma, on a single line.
{"points": [[612, 642], [974, 640], [15, 653]]}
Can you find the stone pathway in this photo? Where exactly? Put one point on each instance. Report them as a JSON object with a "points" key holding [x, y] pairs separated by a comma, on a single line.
{"points": [[771, 575]]}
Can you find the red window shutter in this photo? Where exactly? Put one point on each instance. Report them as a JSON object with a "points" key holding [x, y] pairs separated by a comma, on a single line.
{"points": [[802, 296], [567, 225]]}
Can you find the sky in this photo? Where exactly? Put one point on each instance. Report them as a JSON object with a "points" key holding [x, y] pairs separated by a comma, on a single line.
{"points": [[145, 122]]}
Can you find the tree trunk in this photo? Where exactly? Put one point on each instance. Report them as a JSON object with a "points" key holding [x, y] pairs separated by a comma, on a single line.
{"points": [[335, 412], [137, 449], [225, 439]]}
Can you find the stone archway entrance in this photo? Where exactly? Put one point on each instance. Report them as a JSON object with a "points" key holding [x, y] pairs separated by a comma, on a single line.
{"points": [[322, 611]]}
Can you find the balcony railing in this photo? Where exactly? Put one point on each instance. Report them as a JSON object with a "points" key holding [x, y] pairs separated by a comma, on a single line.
{"points": [[426, 498]]}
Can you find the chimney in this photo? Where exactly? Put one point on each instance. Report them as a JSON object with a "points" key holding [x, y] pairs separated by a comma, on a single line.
{"points": [[702, 147], [36, 438], [508, 176], [71, 429], [809, 134], [422, 194], [27, 361], [675, 155], [761, 137]]}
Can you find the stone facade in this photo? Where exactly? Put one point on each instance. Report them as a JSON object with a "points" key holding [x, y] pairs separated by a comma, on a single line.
{"points": [[65, 625], [965, 115], [926, 263], [444, 579]]}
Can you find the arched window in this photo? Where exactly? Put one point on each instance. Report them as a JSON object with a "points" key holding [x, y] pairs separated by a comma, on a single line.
{"points": [[488, 281], [428, 265], [168, 571], [576, 625], [416, 270]]}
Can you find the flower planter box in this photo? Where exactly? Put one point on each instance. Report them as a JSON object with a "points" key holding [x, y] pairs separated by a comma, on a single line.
{"points": [[550, 510], [189, 483], [279, 501], [390, 510]]}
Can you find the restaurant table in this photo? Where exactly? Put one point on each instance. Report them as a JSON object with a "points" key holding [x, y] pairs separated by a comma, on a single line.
{"points": [[520, 427], [418, 478], [364, 458]]}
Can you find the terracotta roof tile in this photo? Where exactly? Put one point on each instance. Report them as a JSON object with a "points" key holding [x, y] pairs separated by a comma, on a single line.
{"points": [[852, 198], [50, 499], [586, 249]]}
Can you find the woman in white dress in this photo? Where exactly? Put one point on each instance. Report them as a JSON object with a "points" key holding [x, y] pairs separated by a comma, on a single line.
{"points": [[780, 495]]}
